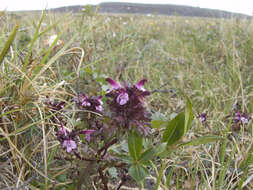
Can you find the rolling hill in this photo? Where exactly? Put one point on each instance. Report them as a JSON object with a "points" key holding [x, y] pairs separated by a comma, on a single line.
{"points": [[159, 9]]}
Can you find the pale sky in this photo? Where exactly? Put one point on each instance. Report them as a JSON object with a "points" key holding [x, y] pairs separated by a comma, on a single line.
{"points": [[239, 6]]}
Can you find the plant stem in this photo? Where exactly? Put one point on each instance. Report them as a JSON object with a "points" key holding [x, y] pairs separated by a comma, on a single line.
{"points": [[158, 180], [141, 186], [105, 147]]}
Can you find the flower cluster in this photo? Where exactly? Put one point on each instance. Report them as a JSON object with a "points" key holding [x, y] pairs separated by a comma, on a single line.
{"points": [[56, 108], [69, 139], [89, 103], [202, 117], [53, 106], [241, 118], [128, 106]]}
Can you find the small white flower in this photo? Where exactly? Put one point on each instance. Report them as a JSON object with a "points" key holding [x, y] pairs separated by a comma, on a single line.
{"points": [[51, 39]]}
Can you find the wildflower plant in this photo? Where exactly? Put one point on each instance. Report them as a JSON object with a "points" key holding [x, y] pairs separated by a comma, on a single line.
{"points": [[89, 103], [128, 107], [202, 117], [56, 136], [241, 118], [123, 117], [70, 139]]}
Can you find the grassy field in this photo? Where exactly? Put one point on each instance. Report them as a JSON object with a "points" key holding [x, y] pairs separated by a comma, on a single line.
{"points": [[209, 60]]}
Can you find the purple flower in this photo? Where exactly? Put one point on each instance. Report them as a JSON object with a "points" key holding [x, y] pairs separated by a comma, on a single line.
{"points": [[140, 85], [122, 98], [122, 95], [92, 103], [99, 104], [127, 105], [123, 92], [87, 133], [63, 131], [242, 118], [69, 139], [202, 117], [82, 100], [114, 85], [237, 117], [54, 106], [69, 145]]}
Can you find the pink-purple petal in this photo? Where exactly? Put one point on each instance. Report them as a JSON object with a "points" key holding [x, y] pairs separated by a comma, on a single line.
{"points": [[69, 145], [99, 99], [86, 103], [81, 98], [88, 133], [63, 130], [99, 108], [114, 85], [84, 96], [122, 98], [140, 85], [244, 120]]}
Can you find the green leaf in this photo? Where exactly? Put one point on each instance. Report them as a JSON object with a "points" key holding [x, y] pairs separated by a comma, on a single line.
{"points": [[158, 123], [89, 70], [125, 158], [70, 187], [166, 152], [188, 115], [135, 145], [202, 140], [179, 125], [124, 146], [147, 155], [138, 173], [113, 172], [160, 148], [169, 176], [61, 178], [8, 43], [158, 116], [174, 130]]}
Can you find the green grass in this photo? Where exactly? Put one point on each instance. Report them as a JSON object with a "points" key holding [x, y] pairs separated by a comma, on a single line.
{"points": [[210, 60]]}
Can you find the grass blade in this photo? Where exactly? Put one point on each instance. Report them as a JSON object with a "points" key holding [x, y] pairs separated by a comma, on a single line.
{"points": [[8, 43], [35, 37], [54, 58]]}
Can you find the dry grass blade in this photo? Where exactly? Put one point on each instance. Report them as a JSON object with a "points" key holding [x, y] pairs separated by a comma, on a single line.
{"points": [[54, 58], [210, 60], [44, 146], [22, 156]]}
